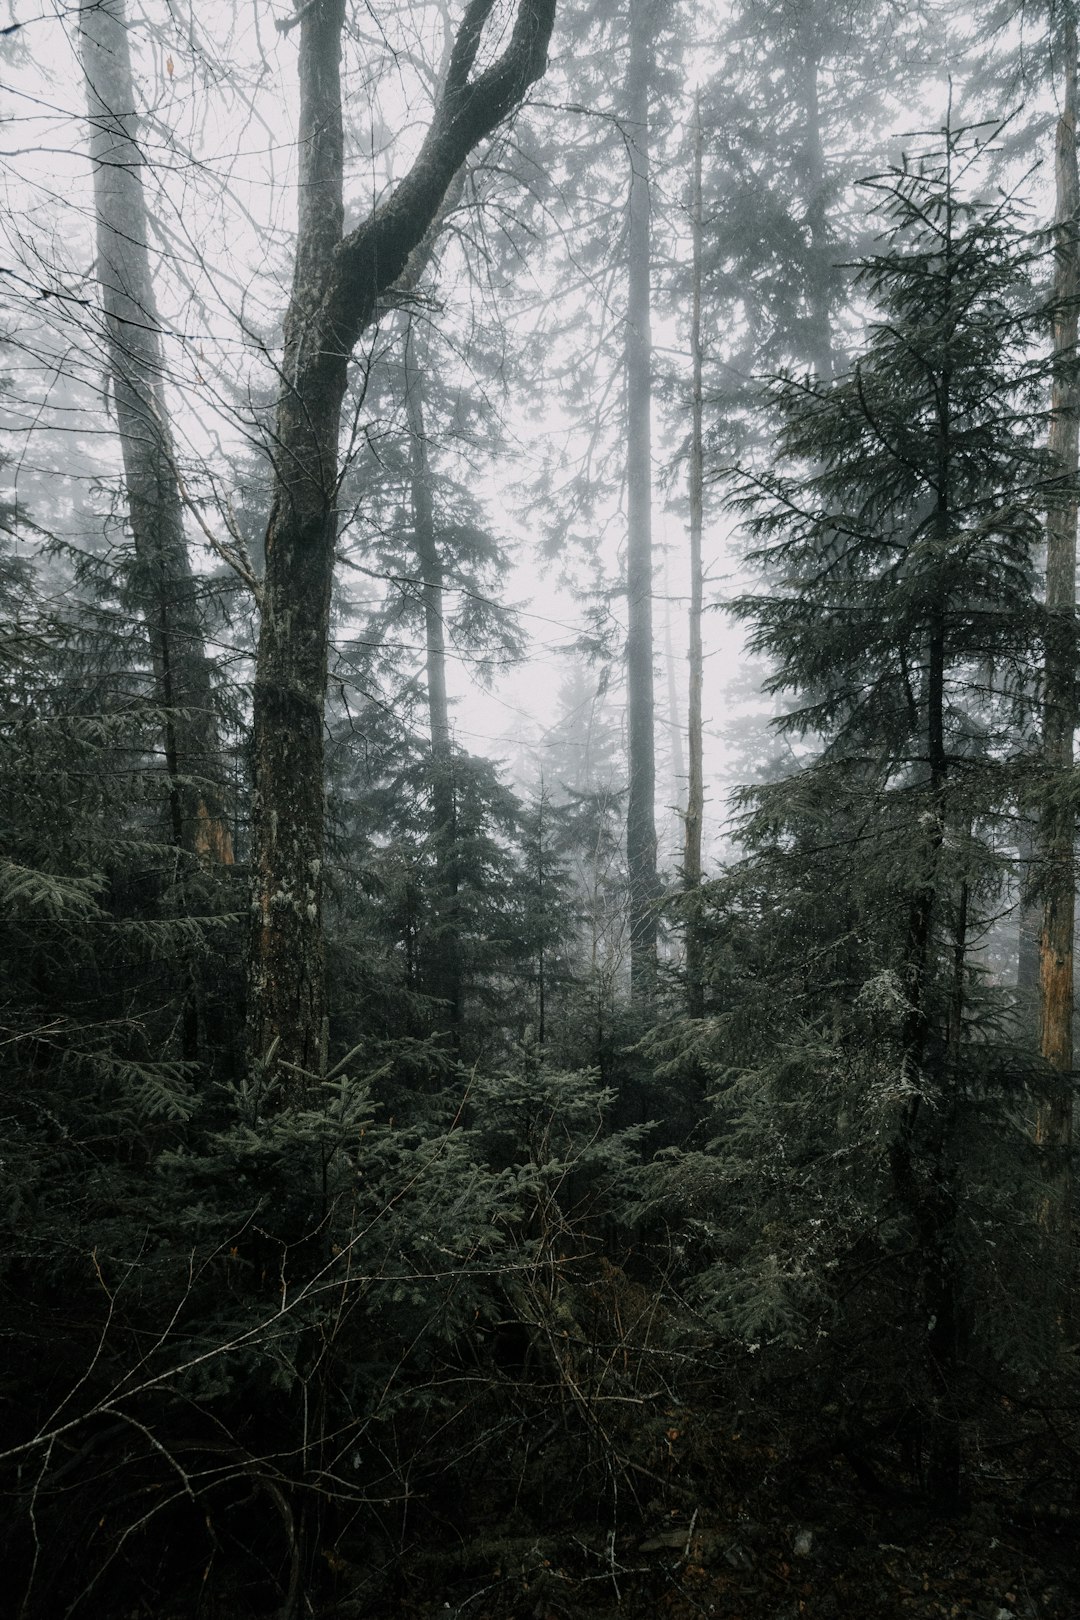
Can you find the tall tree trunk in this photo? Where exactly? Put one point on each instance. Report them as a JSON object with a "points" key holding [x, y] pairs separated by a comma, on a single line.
{"points": [[287, 991], [1029, 930], [695, 797], [1054, 1119], [674, 726], [164, 582], [337, 283], [819, 268], [641, 809], [447, 976]]}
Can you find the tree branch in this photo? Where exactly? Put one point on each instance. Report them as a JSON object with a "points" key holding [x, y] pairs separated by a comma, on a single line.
{"points": [[377, 252]]}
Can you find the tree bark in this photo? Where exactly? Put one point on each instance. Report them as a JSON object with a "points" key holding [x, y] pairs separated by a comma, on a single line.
{"points": [[674, 723], [641, 810], [695, 794], [446, 985], [1029, 930], [164, 582], [337, 283], [819, 268], [1053, 1128]]}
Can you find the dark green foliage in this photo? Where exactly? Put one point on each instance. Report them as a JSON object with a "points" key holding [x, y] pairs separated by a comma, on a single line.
{"points": [[869, 1172]]}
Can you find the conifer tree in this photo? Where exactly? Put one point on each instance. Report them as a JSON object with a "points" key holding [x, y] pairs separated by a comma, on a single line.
{"points": [[903, 548]]}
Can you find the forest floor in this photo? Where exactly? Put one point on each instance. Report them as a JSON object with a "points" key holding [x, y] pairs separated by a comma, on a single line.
{"points": [[817, 1546], [838, 1558]]}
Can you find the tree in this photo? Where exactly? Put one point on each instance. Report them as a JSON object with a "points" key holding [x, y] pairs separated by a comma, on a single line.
{"points": [[797, 110], [164, 583], [1058, 829], [695, 797], [337, 282], [641, 795], [907, 613]]}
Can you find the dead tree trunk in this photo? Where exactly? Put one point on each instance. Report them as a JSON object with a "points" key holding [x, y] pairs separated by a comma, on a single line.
{"points": [[164, 583], [1054, 1119], [337, 283], [641, 809]]}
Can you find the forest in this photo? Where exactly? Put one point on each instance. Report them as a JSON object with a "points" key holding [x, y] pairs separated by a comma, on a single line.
{"points": [[538, 694]]}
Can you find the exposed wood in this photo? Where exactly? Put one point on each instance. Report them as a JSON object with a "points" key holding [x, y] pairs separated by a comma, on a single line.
{"points": [[1053, 1128]]}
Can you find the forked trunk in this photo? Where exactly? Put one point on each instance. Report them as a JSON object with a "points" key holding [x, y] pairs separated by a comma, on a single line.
{"points": [[337, 283]]}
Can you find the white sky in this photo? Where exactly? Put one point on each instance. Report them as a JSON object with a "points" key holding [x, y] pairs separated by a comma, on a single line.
{"points": [[219, 131]]}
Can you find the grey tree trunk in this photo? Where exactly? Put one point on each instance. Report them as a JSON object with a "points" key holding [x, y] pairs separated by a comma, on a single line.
{"points": [[164, 582], [674, 721], [820, 345], [695, 797], [1029, 931], [1058, 829], [337, 283], [641, 810], [447, 984]]}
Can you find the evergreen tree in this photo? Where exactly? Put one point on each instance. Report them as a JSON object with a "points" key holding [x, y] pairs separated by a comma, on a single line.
{"points": [[901, 547]]}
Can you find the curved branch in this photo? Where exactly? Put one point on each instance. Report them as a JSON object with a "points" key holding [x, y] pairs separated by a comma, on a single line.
{"points": [[373, 256]]}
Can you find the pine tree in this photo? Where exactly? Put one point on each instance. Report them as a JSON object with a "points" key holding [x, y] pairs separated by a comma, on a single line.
{"points": [[902, 548]]}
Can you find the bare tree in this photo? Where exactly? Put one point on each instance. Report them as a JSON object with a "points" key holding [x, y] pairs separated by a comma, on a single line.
{"points": [[337, 282]]}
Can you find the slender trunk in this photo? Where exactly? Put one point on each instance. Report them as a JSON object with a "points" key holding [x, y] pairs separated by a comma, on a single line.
{"points": [[431, 570], [1029, 930], [695, 797], [924, 1163], [338, 281], [819, 267], [678, 763], [446, 979], [1053, 1128], [641, 810], [541, 978], [164, 583]]}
